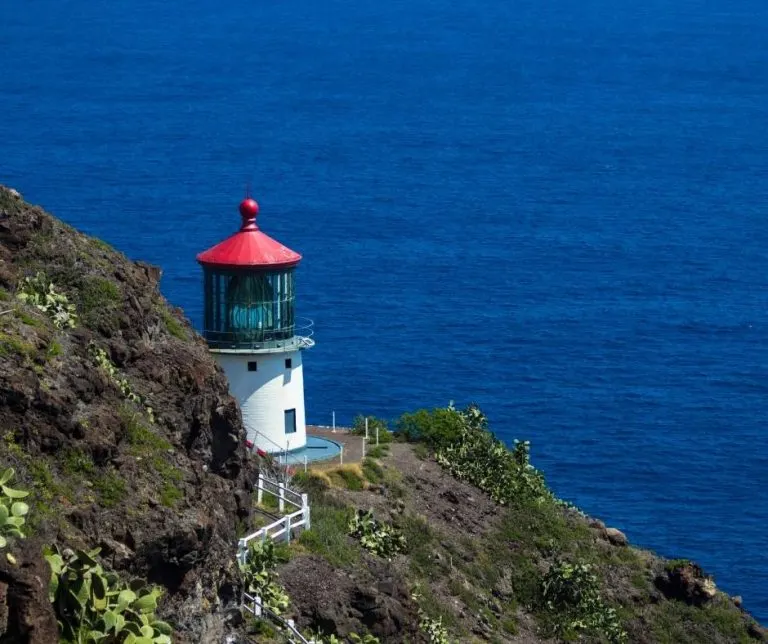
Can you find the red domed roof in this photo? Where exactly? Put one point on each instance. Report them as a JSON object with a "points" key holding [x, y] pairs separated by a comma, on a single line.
{"points": [[249, 247]]}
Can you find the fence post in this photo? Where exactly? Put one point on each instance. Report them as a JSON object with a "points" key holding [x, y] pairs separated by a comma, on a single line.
{"points": [[281, 498], [257, 606], [260, 493], [242, 551], [305, 507], [288, 529], [377, 433], [366, 428], [364, 439], [333, 426]]}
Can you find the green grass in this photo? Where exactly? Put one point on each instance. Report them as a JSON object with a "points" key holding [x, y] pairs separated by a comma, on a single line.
{"points": [[141, 437], [170, 495], [421, 451], [347, 476], [98, 301], [10, 345], [53, 350], [100, 244], [26, 318], [372, 471], [174, 327], [4, 295], [378, 451], [329, 534], [75, 462], [110, 488], [672, 622]]}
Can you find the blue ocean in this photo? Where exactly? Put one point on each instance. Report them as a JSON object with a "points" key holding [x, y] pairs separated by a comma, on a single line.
{"points": [[555, 209]]}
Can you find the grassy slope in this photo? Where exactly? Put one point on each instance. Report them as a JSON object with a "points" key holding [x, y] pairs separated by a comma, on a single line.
{"points": [[487, 586]]}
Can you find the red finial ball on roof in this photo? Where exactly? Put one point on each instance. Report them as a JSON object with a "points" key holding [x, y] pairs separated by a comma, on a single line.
{"points": [[249, 208]]}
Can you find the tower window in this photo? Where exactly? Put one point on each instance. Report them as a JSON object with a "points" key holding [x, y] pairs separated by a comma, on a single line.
{"points": [[288, 363], [290, 421], [252, 366]]}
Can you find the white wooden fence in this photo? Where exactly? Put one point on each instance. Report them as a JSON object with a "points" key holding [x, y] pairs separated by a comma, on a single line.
{"points": [[283, 527], [280, 529]]}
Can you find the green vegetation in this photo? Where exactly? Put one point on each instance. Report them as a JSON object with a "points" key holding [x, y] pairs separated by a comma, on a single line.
{"points": [[101, 360], [12, 345], [348, 476], [435, 428], [379, 538], [141, 437], [372, 471], [328, 536], [260, 578], [40, 292], [76, 462], [432, 627], [378, 451], [98, 301], [12, 510], [95, 606], [174, 327], [53, 350], [26, 318], [571, 596], [475, 455], [110, 487]]}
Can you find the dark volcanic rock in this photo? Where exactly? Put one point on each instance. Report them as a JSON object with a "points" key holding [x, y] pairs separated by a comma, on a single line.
{"points": [[160, 492], [26, 615], [686, 582], [334, 602]]}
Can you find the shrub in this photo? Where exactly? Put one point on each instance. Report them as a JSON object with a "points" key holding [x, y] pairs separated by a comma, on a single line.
{"points": [[478, 457], [12, 510], [570, 592], [94, 606], [376, 537], [438, 427], [39, 291]]}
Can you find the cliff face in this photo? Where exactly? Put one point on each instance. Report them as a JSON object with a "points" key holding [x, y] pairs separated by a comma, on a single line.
{"points": [[118, 422]]}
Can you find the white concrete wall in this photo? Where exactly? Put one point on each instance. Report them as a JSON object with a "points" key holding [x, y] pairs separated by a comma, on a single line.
{"points": [[265, 394]]}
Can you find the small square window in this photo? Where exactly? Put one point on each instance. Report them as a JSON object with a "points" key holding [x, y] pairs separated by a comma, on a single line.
{"points": [[288, 363], [252, 366]]}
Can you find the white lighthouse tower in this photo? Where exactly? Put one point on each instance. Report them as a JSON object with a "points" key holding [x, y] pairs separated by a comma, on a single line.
{"points": [[253, 333]]}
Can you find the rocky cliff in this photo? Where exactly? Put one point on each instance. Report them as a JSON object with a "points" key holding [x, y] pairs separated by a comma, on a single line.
{"points": [[115, 418]]}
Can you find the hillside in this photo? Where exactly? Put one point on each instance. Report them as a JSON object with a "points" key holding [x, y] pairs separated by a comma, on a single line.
{"points": [[122, 461], [524, 567], [118, 423]]}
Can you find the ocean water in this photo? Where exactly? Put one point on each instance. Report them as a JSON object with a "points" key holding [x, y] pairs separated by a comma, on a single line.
{"points": [[557, 210]]}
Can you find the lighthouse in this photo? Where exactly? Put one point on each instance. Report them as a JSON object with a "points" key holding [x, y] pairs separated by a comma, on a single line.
{"points": [[253, 333]]}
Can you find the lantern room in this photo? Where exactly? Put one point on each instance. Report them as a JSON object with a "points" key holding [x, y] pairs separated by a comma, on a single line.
{"points": [[248, 288]]}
